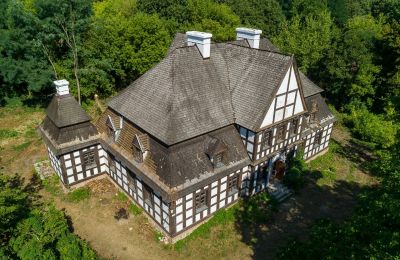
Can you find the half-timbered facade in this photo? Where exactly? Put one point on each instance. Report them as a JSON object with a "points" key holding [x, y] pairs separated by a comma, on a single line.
{"points": [[210, 123]]}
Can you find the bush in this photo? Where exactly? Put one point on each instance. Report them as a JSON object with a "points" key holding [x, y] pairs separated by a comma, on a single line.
{"points": [[294, 179], [257, 209], [372, 128]]}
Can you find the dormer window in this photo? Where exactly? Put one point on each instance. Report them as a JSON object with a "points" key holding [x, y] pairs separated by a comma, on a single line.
{"points": [[138, 149], [318, 138], [112, 130], [216, 152]]}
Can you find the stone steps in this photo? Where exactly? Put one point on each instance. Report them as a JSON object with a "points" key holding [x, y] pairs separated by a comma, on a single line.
{"points": [[280, 192]]}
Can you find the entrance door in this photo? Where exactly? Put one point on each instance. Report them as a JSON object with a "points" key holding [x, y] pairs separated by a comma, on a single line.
{"points": [[279, 169]]}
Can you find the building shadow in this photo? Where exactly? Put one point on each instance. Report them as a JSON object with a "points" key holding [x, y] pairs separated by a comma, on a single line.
{"points": [[294, 217]]}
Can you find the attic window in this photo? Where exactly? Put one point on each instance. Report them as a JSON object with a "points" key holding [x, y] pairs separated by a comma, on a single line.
{"points": [[218, 159], [138, 149], [216, 151], [111, 129]]}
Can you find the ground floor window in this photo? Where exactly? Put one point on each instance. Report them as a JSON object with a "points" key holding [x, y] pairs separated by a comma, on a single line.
{"points": [[89, 159], [147, 195]]}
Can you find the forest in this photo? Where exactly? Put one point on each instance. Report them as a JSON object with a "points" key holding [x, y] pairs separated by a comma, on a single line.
{"points": [[350, 48]]}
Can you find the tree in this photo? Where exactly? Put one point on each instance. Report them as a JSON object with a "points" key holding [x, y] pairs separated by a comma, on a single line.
{"points": [[307, 38], [265, 15]]}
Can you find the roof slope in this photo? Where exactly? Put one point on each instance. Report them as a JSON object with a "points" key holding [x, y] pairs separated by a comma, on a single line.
{"points": [[65, 111], [185, 96]]}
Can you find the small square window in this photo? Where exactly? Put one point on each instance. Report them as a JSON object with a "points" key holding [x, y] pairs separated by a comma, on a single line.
{"points": [[89, 160], [201, 200], [132, 185]]}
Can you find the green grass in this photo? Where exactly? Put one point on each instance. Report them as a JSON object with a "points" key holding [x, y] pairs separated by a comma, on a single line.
{"points": [[328, 178], [30, 132], [52, 185], [158, 235], [79, 194], [21, 147], [8, 133], [134, 210], [221, 217], [120, 196]]}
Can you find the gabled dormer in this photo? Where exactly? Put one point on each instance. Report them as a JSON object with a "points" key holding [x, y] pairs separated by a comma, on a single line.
{"points": [[216, 152], [139, 150]]}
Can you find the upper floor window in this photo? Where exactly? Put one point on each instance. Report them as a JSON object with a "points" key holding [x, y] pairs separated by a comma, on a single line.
{"points": [[147, 195], [216, 151], [89, 159], [294, 129], [201, 200], [233, 184], [318, 138], [281, 132], [267, 139], [138, 149]]}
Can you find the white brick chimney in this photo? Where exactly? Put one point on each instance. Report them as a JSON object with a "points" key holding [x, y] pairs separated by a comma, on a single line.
{"points": [[202, 40], [62, 87], [251, 35]]}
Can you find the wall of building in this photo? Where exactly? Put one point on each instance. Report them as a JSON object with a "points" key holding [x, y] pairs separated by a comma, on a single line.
{"points": [[154, 206], [55, 163], [312, 148], [74, 167], [264, 151], [185, 215]]}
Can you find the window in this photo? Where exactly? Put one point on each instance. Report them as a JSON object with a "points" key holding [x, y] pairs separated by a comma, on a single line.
{"points": [[147, 195], [280, 135], [233, 184], [267, 139], [111, 128], [132, 184], [201, 200], [318, 138], [218, 159], [313, 111], [89, 160], [137, 154], [294, 126]]}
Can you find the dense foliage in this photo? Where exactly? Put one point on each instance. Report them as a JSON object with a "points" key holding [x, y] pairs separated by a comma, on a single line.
{"points": [[31, 231], [351, 48]]}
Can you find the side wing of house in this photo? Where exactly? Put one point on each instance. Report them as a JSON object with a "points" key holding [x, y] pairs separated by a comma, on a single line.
{"points": [[288, 100]]}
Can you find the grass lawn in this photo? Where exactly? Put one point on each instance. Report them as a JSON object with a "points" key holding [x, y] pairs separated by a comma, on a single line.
{"points": [[243, 231]]}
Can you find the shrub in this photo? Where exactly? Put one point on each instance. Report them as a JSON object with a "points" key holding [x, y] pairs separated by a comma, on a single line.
{"points": [[372, 128], [294, 178], [7, 133]]}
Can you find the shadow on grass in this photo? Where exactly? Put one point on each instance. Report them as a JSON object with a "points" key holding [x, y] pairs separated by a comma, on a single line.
{"points": [[294, 217]]}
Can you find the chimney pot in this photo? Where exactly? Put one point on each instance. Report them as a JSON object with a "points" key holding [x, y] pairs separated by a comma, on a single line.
{"points": [[202, 40], [251, 35], [62, 87]]}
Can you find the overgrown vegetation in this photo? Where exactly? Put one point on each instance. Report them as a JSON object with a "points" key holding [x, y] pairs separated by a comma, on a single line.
{"points": [[30, 230], [349, 48]]}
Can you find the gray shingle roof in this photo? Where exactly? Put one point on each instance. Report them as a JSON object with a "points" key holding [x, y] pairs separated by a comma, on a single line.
{"points": [[185, 95], [309, 87], [65, 111], [323, 114]]}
